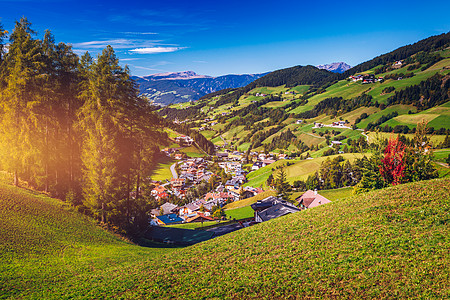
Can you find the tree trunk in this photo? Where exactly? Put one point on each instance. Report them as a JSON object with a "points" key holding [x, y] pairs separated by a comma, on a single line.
{"points": [[103, 212], [46, 154], [16, 178]]}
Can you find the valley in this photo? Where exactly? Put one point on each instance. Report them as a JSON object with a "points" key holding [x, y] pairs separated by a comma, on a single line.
{"points": [[304, 182]]}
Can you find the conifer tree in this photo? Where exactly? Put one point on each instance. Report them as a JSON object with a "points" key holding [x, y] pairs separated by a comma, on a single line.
{"points": [[22, 66]]}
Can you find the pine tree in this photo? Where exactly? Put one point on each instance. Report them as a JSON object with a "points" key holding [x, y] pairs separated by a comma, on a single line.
{"points": [[22, 66], [100, 119]]}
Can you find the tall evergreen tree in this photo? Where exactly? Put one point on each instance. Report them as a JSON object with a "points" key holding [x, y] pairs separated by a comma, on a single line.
{"points": [[22, 66]]}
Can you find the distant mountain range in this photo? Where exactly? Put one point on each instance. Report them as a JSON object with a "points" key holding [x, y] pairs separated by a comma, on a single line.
{"points": [[337, 67], [177, 87]]}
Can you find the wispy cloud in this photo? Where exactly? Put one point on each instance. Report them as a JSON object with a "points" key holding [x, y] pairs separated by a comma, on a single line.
{"points": [[200, 61], [145, 68], [129, 59], [116, 43], [156, 50], [138, 33]]}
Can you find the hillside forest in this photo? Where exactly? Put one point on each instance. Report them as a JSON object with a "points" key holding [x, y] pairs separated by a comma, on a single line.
{"points": [[75, 127]]}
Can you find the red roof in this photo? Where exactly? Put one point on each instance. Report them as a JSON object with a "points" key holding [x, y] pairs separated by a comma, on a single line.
{"points": [[163, 195]]}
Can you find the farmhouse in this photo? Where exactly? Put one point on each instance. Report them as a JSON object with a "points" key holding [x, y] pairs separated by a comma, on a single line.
{"points": [[311, 199], [184, 140]]}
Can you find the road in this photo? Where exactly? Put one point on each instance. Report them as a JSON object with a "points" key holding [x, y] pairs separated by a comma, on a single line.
{"points": [[174, 172], [225, 142], [367, 137]]}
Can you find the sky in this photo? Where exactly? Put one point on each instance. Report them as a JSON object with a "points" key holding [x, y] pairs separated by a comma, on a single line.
{"points": [[232, 37]]}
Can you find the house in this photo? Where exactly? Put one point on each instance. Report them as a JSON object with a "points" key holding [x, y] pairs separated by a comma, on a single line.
{"points": [[162, 195], [336, 142], [268, 162], [222, 155], [299, 122], [184, 140], [199, 217], [311, 199], [157, 190], [257, 165], [265, 203], [397, 64], [177, 183], [255, 191], [190, 208], [168, 208], [169, 219], [282, 156], [275, 211]]}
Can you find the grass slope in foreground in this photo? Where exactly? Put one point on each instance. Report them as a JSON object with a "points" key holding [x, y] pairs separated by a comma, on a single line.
{"points": [[44, 243], [392, 243]]}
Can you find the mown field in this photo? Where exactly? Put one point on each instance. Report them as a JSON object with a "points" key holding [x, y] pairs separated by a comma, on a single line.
{"points": [[249, 201], [193, 151], [161, 168], [392, 243]]}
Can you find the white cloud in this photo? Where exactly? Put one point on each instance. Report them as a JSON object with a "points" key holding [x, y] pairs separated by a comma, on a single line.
{"points": [[156, 50], [138, 33], [117, 43]]}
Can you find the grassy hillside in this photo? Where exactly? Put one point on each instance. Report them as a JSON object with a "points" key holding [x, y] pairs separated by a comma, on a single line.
{"points": [[389, 243], [45, 244]]}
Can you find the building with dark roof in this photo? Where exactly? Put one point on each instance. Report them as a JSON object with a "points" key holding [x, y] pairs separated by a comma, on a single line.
{"points": [[275, 211], [265, 203]]}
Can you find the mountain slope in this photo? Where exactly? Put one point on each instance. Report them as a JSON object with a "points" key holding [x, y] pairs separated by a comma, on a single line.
{"points": [[166, 88], [394, 98], [389, 242], [429, 44]]}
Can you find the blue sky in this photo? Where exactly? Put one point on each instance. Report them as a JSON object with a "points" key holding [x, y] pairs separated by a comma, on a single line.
{"points": [[232, 37]]}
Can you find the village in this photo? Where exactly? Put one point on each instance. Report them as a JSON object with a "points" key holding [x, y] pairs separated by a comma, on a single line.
{"points": [[191, 172]]}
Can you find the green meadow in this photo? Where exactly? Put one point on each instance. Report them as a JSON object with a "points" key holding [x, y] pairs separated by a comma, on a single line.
{"points": [[388, 243]]}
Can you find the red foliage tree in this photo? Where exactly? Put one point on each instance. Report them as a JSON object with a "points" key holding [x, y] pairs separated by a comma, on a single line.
{"points": [[393, 163]]}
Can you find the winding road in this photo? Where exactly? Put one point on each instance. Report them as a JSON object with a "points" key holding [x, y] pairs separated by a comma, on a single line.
{"points": [[174, 172]]}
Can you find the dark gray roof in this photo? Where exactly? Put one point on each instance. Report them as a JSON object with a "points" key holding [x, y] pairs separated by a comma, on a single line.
{"points": [[265, 203], [276, 211]]}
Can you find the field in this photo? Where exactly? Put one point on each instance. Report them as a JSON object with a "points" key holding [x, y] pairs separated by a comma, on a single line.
{"points": [[193, 151], [441, 154], [161, 170], [383, 244], [259, 177], [435, 139], [240, 213], [302, 169], [249, 201]]}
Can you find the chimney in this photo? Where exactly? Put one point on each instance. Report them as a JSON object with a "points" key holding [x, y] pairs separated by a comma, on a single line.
{"points": [[315, 191]]}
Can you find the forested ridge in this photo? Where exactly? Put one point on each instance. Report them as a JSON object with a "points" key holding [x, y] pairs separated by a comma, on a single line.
{"points": [[294, 76], [429, 44], [75, 127]]}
